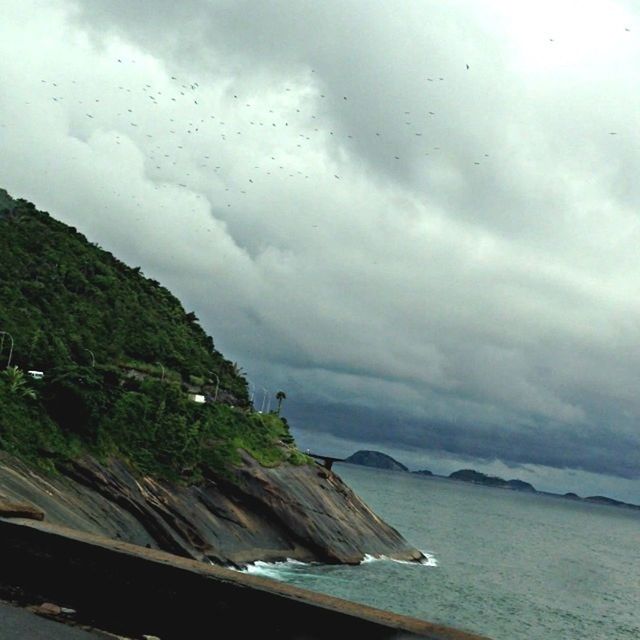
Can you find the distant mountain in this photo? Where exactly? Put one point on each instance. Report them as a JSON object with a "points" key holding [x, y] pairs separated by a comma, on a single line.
{"points": [[611, 501], [375, 459], [477, 477], [379, 460], [520, 485]]}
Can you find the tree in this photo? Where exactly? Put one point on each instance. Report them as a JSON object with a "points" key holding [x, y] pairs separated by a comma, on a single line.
{"points": [[17, 382], [237, 369], [280, 396]]}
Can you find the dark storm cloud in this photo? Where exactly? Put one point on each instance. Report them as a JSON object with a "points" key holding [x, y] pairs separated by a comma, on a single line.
{"points": [[418, 218], [542, 444]]}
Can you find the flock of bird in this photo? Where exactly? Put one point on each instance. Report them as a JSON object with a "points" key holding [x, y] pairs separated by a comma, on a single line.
{"points": [[184, 123], [183, 137]]}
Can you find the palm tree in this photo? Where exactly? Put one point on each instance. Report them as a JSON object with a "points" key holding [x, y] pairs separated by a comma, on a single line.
{"points": [[17, 382], [237, 369], [280, 396]]}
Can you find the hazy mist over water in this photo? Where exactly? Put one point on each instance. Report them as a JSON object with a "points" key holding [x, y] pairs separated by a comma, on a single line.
{"points": [[505, 564]]}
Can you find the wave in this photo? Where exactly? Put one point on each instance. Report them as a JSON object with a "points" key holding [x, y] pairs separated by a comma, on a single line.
{"points": [[274, 570], [282, 569], [429, 560]]}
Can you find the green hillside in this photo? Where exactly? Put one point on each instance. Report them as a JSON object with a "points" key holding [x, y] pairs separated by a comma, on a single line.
{"points": [[120, 356], [62, 298]]}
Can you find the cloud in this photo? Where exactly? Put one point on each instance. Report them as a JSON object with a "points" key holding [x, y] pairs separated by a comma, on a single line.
{"points": [[545, 444], [420, 215]]}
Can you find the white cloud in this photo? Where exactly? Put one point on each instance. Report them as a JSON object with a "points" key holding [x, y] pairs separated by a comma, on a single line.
{"points": [[484, 277]]}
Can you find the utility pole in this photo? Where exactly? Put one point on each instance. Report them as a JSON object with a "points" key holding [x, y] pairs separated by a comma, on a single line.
{"points": [[215, 395], [3, 334], [93, 358]]}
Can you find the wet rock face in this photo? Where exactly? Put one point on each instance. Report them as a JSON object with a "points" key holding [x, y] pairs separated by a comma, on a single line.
{"points": [[317, 506], [304, 512]]}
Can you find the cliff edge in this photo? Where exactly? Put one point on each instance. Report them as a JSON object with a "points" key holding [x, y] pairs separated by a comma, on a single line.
{"points": [[301, 512], [121, 418]]}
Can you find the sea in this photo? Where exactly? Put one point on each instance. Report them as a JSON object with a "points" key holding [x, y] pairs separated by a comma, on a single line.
{"points": [[500, 563]]}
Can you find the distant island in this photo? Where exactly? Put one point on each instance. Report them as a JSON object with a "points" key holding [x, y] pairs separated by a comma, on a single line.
{"points": [[610, 501], [375, 459], [476, 477], [379, 460]]}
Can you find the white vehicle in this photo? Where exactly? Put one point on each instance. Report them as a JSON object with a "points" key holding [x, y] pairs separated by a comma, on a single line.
{"points": [[38, 375]]}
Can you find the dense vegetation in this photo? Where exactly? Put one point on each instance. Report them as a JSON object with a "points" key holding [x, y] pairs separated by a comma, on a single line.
{"points": [[119, 354], [64, 299]]}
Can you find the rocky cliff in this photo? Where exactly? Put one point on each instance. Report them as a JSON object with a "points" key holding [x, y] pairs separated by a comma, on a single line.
{"points": [[301, 512], [107, 439]]}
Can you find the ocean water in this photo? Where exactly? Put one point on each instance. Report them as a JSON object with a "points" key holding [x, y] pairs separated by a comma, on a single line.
{"points": [[504, 564]]}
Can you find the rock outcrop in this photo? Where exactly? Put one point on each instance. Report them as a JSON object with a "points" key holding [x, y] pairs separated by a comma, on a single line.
{"points": [[301, 512]]}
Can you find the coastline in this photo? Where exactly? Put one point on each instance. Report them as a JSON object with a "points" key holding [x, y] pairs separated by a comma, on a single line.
{"points": [[270, 514], [123, 588]]}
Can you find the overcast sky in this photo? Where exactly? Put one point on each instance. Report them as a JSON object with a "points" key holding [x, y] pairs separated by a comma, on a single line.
{"points": [[419, 219]]}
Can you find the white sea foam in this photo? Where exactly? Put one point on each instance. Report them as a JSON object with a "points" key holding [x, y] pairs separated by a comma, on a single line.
{"points": [[283, 568], [368, 558], [429, 560], [273, 569]]}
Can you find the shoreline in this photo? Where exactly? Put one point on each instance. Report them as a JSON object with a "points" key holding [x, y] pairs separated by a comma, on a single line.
{"points": [[131, 590]]}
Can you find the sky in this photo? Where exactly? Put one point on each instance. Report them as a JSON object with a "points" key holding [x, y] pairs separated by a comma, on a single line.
{"points": [[421, 220]]}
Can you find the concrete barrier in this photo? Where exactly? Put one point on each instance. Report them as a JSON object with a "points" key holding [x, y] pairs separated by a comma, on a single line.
{"points": [[126, 589]]}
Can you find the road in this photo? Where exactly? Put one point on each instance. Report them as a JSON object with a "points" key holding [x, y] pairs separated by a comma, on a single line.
{"points": [[20, 624]]}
